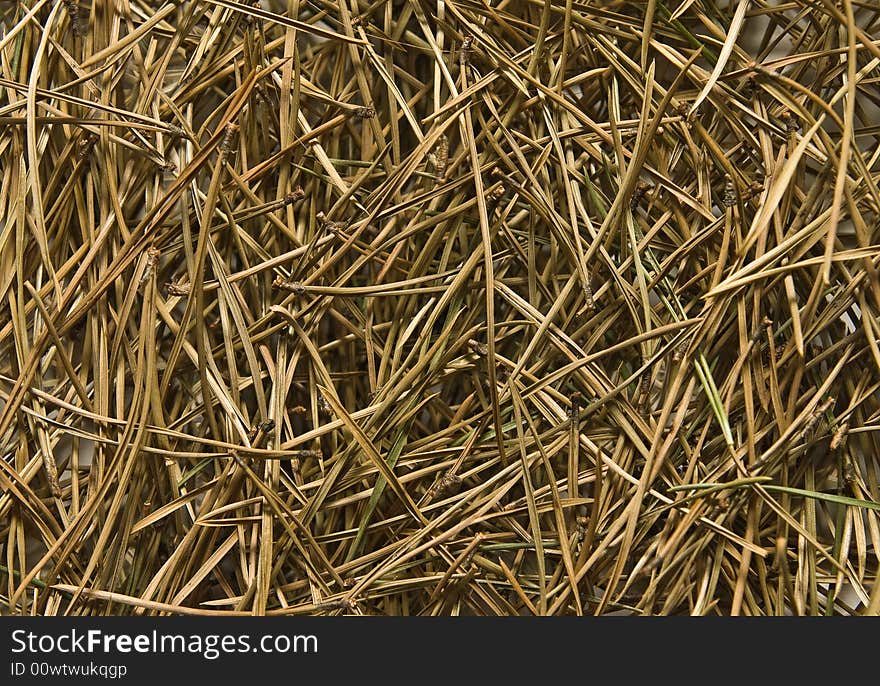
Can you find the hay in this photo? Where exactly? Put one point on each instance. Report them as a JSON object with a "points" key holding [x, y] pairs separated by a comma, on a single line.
{"points": [[439, 308]]}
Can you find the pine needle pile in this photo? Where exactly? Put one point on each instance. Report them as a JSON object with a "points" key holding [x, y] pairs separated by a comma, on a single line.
{"points": [[439, 307]]}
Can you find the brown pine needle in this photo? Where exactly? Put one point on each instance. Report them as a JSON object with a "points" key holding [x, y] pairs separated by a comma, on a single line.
{"points": [[447, 308]]}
